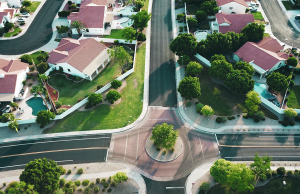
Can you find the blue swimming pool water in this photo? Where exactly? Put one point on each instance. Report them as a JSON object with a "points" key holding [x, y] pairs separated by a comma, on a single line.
{"points": [[128, 23], [200, 35], [127, 9], [261, 90], [36, 104]]}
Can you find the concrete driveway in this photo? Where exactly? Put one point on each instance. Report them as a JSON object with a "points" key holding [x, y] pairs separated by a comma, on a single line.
{"points": [[38, 34]]}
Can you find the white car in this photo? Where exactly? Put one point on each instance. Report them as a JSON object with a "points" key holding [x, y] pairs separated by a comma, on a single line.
{"points": [[25, 14], [253, 9], [21, 20], [252, 4]]}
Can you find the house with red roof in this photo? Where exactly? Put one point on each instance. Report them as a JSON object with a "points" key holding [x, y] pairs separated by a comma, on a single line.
{"points": [[230, 22], [7, 14], [265, 56], [12, 74], [93, 14], [232, 6], [83, 58]]}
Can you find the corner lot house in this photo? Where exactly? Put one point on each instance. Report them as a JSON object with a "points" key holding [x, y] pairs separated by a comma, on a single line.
{"points": [[231, 22], [265, 56], [13, 3], [93, 14], [7, 14], [12, 74], [82, 58], [232, 6]]}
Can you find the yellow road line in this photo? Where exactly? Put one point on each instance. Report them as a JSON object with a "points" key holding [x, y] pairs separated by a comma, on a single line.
{"points": [[75, 149], [260, 146]]}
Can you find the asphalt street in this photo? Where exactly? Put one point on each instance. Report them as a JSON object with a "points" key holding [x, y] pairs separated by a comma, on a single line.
{"points": [[280, 25], [162, 85], [38, 34], [166, 187], [281, 147], [70, 150]]}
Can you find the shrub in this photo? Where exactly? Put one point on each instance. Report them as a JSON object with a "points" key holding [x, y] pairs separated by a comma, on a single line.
{"points": [[120, 177], [263, 119], [64, 13], [204, 186], [269, 174], [291, 123], [229, 118], [69, 2], [274, 173], [116, 84], [262, 177], [297, 118], [62, 182], [2, 192], [73, 6], [77, 78], [99, 87], [188, 103], [26, 59], [96, 189], [296, 172], [24, 9], [219, 120], [113, 184], [97, 180], [62, 170], [103, 190], [289, 172], [80, 171], [94, 99], [103, 181], [292, 83], [199, 107], [92, 184], [233, 117], [69, 171], [256, 119], [77, 183], [61, 111], [116, 42], [85, 182], [141, 37], [105, 185], [58, 104], [87, 190], [113, 96], [109, 190], [281, 170], [2, 31], [245, 116], [69, 184]]}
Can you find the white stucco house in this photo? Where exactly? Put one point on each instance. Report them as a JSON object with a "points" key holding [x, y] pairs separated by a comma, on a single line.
{"points": [[7, 14], [230, 22], [232, 6], [83, 58], [265, 56], [12, 74]]}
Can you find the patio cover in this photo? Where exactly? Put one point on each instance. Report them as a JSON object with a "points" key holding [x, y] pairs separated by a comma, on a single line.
{"points": [[6, 97]]}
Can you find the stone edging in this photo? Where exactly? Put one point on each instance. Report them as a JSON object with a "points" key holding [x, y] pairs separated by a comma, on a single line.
{"points": [[164, 161]]}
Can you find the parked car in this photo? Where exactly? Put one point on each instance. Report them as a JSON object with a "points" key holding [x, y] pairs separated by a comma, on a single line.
{"points": [[21, 19], [253, 9], [297, 17], [252, 4], [6, 109], [25, 14]]}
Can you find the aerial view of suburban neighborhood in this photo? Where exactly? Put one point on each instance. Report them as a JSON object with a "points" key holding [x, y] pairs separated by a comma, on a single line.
{"points": [[150, 96]]}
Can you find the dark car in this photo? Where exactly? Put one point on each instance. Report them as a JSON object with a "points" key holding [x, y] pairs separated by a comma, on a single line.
{"points": [[297, 17]]}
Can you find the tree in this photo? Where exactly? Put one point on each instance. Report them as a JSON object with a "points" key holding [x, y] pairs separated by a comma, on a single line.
{"points": [[62, 29], [129, 33], [7, 117], [261, 165], [278, 82], [43, 174], [259, 114], [184, 44], [239, 82], [141, 36], [252, 101], [78, 25], [26, 3], [58, 104], [289, 112], [164, 136], [217, 57], [192, 22], [120, 177], [95, 99], [20, 188], [139, 4], [116, 84], [26, 59], [184, 60], [39, 89], [13, 125], [254, 32], [244, 65], [220, 69], [121, 57], [8, 26], [140, 20], [42, 67], [193, 69], [209, 7], [14, 105], [41, 58], [207, 111], [220, 170], [292, 61], [44, 116], [201, 15], [25, 10], [113, 96], [189, 87], [240, 178]]}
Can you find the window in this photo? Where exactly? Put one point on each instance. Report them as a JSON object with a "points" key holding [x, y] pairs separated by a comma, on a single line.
{"points": [[69, 70], [230, 7], [220, 8]]}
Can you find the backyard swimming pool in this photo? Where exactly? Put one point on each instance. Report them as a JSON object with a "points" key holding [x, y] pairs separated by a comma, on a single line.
{"points": [[261, 89], [37, 104], [127, 9], [128, 23], [200, 35]]}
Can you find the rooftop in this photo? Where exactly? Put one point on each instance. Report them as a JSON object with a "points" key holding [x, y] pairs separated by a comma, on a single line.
{"points": [[237, 21]]}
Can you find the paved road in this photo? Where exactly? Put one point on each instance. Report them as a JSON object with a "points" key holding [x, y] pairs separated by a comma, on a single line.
{"points": [[70, 150], [38, 34], [281, 27], [162, 85], [280, 147]]}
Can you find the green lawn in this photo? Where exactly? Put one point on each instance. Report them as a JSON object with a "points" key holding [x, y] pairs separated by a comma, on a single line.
{"points": [[274, 186], [257, 15], [266, 35], [105, 116], [288, 5], [146, 5], [294, 98], [9, 34], [36, 54], [115, 34], [70, 92], [34, 6], [223, 101], [192, 8]]}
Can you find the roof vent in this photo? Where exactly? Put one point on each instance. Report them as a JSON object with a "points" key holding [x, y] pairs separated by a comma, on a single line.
{"points": [[1, 75]]}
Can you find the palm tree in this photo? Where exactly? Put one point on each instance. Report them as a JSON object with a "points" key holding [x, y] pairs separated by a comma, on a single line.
{"points": [[39, 89], [43, 77], [77, 25]]}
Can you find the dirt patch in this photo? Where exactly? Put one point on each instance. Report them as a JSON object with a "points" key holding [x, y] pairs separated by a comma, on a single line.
{"points": [[135, 83]]}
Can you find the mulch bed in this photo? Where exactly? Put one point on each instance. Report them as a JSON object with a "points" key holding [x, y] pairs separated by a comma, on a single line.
{"points": [[50, 92]]}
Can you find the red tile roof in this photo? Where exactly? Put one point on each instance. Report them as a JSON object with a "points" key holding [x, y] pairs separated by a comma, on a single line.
{"points": [[12, 65], [266, 59], [10, 11], [270, 44], [237, 21], [77, 55], [223, 2], [8, 84], [97, 2], [2, 14], [90, 16]]}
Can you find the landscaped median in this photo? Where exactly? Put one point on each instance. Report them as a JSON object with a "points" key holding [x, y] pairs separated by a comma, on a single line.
{"points": [[106, 116]]}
